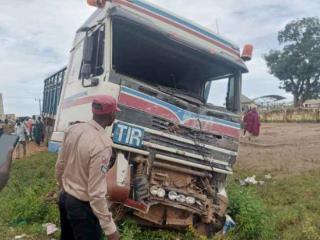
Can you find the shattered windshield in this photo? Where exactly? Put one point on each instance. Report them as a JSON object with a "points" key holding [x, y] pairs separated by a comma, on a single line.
{"points": [[156, 59]]}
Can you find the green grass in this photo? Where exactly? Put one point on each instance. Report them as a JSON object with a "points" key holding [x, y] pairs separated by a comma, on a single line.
{"points": [[281, 209], [295, 205], [27, 201], [249, 212]]}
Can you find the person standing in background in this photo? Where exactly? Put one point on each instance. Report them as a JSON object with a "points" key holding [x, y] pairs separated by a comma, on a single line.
{"points": [[43, 131], [253, 124], [29, 126], [22, 144], [245, 121], [38, 131], [25, 123], [33, 120]]}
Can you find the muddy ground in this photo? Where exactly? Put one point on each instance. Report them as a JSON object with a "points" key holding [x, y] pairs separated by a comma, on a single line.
{"points": [[281, 149]]}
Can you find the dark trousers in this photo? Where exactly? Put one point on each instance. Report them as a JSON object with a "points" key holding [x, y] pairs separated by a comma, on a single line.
{"points": [[77, 219]]}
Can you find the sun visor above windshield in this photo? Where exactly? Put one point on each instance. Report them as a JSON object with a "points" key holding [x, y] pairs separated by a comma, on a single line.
{"points": [[210, 50]]}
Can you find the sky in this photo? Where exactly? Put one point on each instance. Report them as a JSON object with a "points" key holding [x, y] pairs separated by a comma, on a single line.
{"points": [[36, 37]]}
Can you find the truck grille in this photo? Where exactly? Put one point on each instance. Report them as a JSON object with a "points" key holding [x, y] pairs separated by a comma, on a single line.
{"points": [[182, 142]]}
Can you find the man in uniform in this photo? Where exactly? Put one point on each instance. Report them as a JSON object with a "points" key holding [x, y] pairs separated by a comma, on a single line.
{"points": [[80, 171]]}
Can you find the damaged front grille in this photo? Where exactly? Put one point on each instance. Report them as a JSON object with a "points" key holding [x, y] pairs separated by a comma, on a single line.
{"points": [[140, 118], [187, 147], [191, 147]]}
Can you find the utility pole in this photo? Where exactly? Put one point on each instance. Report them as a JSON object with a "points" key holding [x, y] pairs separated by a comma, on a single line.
{"points": [[40, 109]]}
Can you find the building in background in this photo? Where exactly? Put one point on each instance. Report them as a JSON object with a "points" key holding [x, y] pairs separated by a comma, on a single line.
{"points": [[2, 116], [271, 102], [11, 117], [312, 103]]}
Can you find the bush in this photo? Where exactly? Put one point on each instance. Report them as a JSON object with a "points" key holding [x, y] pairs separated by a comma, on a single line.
{"points": [[250, 214]]}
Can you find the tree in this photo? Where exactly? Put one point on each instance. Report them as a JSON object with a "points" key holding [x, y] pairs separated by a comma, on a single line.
{"points": [[297, 64]]}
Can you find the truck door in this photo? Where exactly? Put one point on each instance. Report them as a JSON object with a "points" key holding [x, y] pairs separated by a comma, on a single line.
{"points": [[86, 71]]}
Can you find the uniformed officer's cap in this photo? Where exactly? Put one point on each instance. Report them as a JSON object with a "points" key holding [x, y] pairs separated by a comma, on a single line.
{"points": [[104, 105]]}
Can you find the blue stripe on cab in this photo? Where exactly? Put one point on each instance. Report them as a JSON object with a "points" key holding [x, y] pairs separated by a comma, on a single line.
{"points": [[75, 96]]}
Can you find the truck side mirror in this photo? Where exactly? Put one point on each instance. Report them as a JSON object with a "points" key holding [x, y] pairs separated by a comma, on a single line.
{"points": [[87, 57], [86, 68], [92, 57]]}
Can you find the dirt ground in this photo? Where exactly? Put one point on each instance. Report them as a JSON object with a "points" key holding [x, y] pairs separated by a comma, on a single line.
{"points": [[32, 147], [281, 149]]}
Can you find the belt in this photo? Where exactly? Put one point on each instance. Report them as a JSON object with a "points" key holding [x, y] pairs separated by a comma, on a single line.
{"points": [[72, 197]]}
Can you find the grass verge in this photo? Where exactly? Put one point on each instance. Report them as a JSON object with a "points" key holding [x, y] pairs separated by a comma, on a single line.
{"points": [[281, 209], [28, 200]]}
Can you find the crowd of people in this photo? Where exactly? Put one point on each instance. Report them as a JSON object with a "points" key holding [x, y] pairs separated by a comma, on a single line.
{"points": [[27, 129]]}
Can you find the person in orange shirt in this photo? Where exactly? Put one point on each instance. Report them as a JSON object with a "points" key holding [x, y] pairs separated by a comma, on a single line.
{"points": [[81, 173], [29, 126]]}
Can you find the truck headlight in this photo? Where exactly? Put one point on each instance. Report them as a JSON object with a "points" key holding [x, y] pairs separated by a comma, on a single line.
{"points": [[154, 190], [161, 192], [172, 195], [181, 198], [190, 200]]}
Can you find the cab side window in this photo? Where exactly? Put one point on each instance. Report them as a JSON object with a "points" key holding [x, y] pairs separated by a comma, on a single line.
{"points": [[224, 92]]}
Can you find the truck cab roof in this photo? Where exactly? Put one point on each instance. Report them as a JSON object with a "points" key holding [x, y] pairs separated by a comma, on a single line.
{"points": [[178, 28]]}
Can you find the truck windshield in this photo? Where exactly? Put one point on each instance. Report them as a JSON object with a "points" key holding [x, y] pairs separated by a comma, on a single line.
{"points": [[161, 60]]}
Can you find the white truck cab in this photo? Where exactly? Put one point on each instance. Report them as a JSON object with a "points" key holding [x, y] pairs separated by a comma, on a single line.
{"points": [[175, 148]]}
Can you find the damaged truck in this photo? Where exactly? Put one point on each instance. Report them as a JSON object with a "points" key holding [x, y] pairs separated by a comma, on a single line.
{"points": [[172, 149]]}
